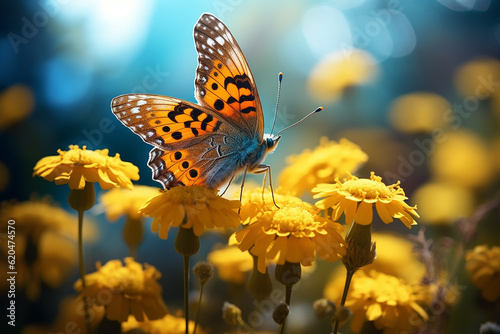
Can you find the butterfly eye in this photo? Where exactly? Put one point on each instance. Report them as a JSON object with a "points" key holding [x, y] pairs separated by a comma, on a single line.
{"points": [[269, 142]]}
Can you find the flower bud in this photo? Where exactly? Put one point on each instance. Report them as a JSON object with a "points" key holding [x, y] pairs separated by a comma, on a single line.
{"points": [[281, 313], [204, 271]]}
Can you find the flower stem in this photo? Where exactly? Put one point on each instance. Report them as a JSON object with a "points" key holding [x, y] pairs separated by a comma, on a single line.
{"points": [[198, 311], [82, 268], [347, 284], [186, 291], [288, 296]]}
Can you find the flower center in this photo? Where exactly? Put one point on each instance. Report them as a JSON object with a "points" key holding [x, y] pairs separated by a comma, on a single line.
{"points": [[290, 219], [368, 189], [190, 195]]}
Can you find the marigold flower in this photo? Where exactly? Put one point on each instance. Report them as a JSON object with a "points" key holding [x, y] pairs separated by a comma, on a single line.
{"points": [[43, 262], [78, 166], [169, 324], [355, 198], [36, 216], [118, 202], [386, 300], [231, 263], [254, 201], [133, 290], [323, 164], [294, 234], [196, 207], [392, 251], [483, 266]]}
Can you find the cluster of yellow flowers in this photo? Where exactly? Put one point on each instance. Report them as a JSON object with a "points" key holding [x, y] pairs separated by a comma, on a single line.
{"points": [[274, 229]]}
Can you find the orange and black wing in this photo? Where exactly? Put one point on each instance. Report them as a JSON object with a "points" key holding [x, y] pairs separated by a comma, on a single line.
{"points": [[190, 142], [224, 81]]}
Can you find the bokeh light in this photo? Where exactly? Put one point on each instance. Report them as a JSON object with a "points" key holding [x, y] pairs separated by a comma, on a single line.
{"points": [[442, 203], [418, 112], [339, 71]]}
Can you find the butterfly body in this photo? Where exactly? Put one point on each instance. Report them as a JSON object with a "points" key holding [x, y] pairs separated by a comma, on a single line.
{"points": [[209, 142]]}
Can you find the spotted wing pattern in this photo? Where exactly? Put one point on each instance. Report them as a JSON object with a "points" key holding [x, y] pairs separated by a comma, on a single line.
{"points": [[188, 138], [224, 81]]}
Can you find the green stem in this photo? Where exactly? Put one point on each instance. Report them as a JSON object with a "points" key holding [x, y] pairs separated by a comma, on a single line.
{"points": [[186, 291], [198, 311], [82, 268], [348, 279], [288, 296]]}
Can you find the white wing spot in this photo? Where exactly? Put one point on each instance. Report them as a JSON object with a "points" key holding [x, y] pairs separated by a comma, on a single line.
{"points": [[135, 110], [210, 42], [220, 52], [150, 133], [220, 40], [141, 102], [220, 25]]}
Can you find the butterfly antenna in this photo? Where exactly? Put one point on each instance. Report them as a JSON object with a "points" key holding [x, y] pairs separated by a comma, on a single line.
{"points": [[303, 118], [280, 78]]}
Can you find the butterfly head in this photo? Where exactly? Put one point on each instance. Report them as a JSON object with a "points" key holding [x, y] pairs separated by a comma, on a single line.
{"points": [[271, 142]]}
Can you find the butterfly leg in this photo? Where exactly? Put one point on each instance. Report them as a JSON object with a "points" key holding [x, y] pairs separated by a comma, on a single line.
{"points": [[242, 185], [227, 187], [266, 169]]}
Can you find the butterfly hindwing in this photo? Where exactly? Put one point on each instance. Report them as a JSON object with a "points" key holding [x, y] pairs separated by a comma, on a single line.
{"points": [[224, 81], [164, 121]]}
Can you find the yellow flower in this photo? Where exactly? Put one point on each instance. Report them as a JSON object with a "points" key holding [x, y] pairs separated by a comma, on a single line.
{"points": [[419, 112], [483, 266], [292, 234], [356, 197], [196, 207], [339, 71], [169, 324], [125, 290], [36, 216], [392, 251], [46, 262], [231, 263], [119, 201], [323, 164], [78, 166], [254, 201], [392, 304]]}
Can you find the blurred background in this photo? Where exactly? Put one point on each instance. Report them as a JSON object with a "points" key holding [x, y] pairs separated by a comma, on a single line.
{"points": [[416, 84]]}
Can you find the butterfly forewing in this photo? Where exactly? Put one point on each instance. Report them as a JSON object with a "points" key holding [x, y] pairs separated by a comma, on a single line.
{"points": [[224, 81]]}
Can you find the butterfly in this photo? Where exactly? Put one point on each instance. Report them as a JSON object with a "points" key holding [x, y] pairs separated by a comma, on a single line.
{"points": [[209, 142]]}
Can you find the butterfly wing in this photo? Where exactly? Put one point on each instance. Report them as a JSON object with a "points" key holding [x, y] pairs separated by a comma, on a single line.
{"points": [[192, 145], [224, 81]]}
